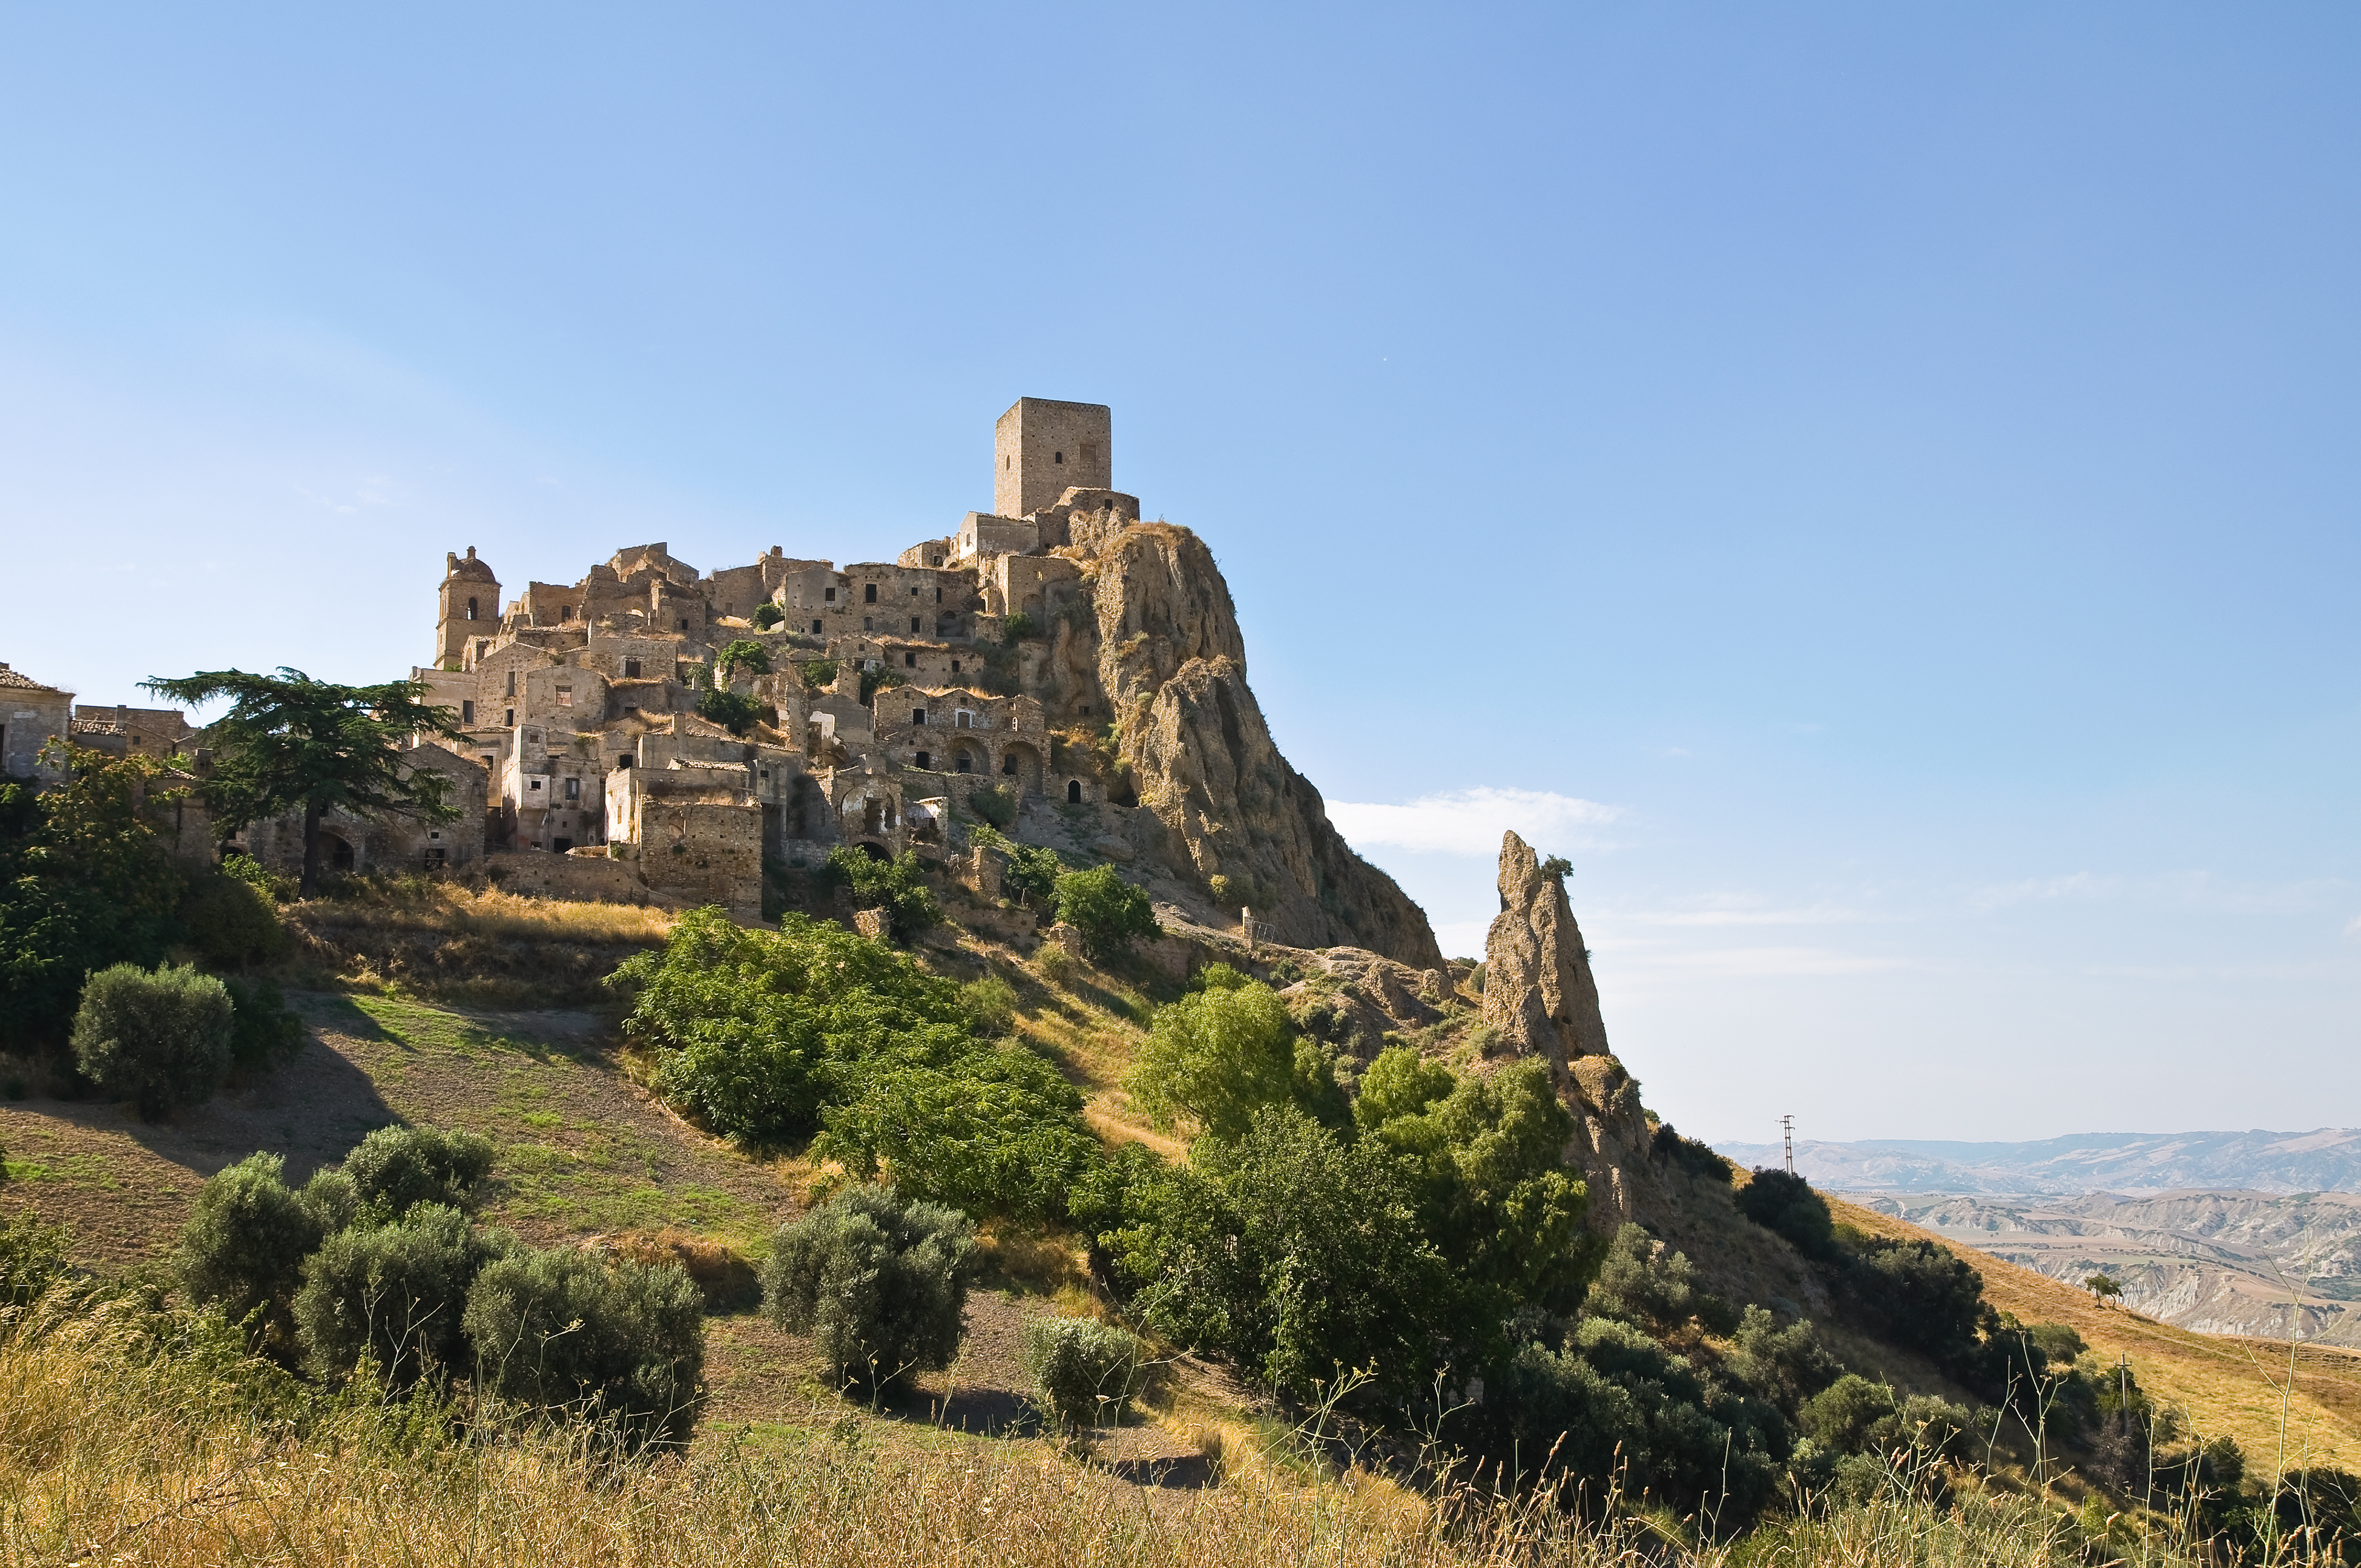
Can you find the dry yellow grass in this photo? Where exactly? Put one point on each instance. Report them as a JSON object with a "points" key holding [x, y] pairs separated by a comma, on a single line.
{"points": [[455, 910], [2224, 1387], [112, 1454], [488, 948]]}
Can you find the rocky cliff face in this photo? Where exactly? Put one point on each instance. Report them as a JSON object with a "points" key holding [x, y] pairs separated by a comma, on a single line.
{"points": [[1174, 671], [1540, 1001]]}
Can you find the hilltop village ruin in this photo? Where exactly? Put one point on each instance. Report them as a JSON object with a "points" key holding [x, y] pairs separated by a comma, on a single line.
{"points": [[1084, 664]]}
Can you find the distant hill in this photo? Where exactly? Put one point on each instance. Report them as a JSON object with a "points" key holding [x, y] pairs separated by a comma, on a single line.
{"points": [[2325, 1160]]}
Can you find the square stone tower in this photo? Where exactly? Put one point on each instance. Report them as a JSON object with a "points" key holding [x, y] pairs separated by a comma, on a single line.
{"points": [[1041, 448]]}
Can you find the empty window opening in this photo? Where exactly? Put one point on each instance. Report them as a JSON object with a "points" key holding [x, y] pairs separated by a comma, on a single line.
{"points": [[913, 590], [684, 623], [815, 629], [914, 625], [471, 609], [939, 596], [566, 612], [926, 759], [561, 845], [910, 661], [955, 666], [917, 715], [623, 762], [1009, 462], [467, 712], [574, 789], [536, 785], [830, 596], [434, 833], [630, 669], [512, 691], [1073, 791], [1008, 765], [1086, 711], [512, 716], [868, 595], [1056, 458], [490, 762], [866, 623], [966, 763]]}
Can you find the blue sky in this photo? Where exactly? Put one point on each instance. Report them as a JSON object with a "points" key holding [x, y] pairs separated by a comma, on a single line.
{"points": [[1875, 486]]}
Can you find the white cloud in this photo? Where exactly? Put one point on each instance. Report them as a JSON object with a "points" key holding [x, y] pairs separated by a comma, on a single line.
{"points": [[1471, 821]]}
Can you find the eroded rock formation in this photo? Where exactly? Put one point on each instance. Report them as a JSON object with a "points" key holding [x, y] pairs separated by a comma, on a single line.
{"points": [[1540, 1001], [1174, 671]]}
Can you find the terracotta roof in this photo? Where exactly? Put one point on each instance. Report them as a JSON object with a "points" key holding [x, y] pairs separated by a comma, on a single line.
{"points": [[9, 678]]}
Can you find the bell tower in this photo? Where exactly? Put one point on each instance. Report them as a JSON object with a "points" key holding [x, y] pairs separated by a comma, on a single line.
{"points": [[468, 606]]}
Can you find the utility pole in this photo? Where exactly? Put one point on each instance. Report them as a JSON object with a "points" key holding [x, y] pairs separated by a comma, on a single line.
{"points": [[1787, 1127]]}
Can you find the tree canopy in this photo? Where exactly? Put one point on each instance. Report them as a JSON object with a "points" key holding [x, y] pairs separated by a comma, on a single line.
{"points": [[289, 743]]}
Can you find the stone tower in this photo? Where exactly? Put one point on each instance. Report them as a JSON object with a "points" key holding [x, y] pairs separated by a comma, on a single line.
{"points": [[1041, 448], [466, 607]]}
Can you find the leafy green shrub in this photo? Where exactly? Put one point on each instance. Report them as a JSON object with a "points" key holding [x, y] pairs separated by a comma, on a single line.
{"points": [[740, 655], [878, 1282], [229, 920], [1288, 1251], [278, 888], [734, 711], [1781, 1202], [767, 615], [1853, 1415], [1109, 912], [1032, 874], [394, 1292], [1652, 1286], [263, 1032], [163, 1039], [1216, 1057], [1785, 1366], [991, 1004], [879, 678], [1919, 1294], [614, 1341], [1018, 628], [995, 804], [1217, 977], [990, 1130], [244, 1247], [1055, 964], [819, 673], [1615, 1406], [1691, 1155], [32, 1256], [1084, 1372], [899, 887], [84, 883], [394, 1170], [1486, 1155]]}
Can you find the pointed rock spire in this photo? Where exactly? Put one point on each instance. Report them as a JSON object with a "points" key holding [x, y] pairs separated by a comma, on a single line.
{"points": [[1540, 1001]]}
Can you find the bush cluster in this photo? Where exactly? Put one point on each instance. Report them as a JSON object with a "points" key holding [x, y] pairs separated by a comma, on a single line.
{"points": [[161, 1039], [878, 1281], [771, 1038], [375, 1268], [1109, 912], [1084, 1372], [899, 887]]}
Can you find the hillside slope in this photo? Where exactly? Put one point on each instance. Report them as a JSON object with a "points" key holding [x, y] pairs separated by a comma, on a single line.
{"points": [[2235, 1388]]}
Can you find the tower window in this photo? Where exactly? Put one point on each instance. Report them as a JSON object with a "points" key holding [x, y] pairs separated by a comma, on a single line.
{"points": [[939, 596], [471, 609], [467, 712], [630, 669], [1056, 458], [511, 688], [869, 593], [830, 595], [512, 716]]}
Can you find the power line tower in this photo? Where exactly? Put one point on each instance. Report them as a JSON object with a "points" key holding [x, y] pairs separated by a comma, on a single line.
{"points": [[1787, 1128]]}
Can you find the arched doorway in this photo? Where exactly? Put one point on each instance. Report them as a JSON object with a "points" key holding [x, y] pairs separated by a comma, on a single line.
{"points": [[337, 852], [1073, 791]]}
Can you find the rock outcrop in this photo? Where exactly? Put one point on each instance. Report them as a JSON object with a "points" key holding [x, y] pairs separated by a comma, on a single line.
{"points": [[1540, 1001], [1173, 669]]}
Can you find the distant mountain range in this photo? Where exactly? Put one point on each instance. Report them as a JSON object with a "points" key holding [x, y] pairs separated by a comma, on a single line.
{"points": [[2325, 1160]]}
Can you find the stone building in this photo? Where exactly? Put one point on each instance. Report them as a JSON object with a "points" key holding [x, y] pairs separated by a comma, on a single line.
{"points": [[890, 685], [32, 715]]}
